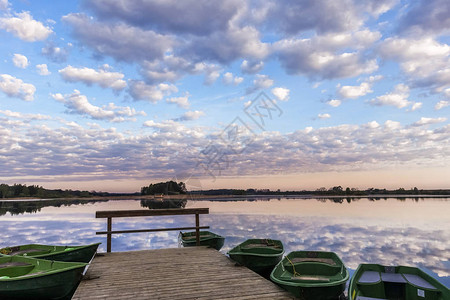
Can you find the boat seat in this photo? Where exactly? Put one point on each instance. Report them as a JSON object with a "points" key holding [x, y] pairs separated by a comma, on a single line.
{"points": [[368, 298], [419, 281], [393, 277], [370, 277], [26, 251], [327, 261]]}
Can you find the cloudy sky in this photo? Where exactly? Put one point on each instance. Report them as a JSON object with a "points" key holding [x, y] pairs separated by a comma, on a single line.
{"points": [[111, 95]]}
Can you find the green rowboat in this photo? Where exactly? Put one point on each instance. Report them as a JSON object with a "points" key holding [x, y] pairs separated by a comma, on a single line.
{"points": [[377, 282], [38, 279], [259, 255], [60, 253], [207, 238], [311, 275]]}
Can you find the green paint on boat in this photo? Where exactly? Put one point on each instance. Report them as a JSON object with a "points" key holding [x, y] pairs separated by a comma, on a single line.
{"points": [[259, 255], [378, 282], [207, 238], [311, 275], [61, 253], [38, 279]]}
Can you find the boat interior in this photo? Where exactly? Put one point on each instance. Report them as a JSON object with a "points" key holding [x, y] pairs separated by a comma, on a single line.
{"points": [[312, 270], [394, 286]]}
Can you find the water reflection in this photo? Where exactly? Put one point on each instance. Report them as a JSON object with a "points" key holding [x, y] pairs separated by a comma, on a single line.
{"points": [[360, 230]]}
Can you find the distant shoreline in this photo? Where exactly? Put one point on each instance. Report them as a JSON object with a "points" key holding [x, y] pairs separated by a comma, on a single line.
{"points": [[197, 197]]}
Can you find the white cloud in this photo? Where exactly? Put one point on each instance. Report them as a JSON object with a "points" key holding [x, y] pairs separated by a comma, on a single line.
{"points": [[441, 104], [324, 116], [103, 78], [416, 106], [43, 70], [281, 93], [139, 90], [260, 82], [252, 67], [334, 102], [14, 87], [20, 61], [427, 121], [323, 56], [79, 104], [397, 98], [353, 92], [229, 79], [191, 115], [23, 116], [180, 101], [425, 60], [4, 4], [25, 27], [119, 40]]}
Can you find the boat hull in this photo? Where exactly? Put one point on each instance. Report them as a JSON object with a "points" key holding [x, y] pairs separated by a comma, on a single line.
{"points": [[259, 255], [60, 253], [38, 279], [207, 238], [311, 275], [395, 282]]}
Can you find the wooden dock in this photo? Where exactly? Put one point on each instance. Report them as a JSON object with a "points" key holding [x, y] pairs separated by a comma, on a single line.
{"points": [[177, 273]]}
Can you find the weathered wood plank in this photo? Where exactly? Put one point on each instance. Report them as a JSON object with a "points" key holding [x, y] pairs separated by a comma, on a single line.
{"points": [[150, 212], [167, 274]]}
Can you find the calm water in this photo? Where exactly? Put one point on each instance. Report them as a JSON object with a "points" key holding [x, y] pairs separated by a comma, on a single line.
{"points": [[387, 231]]}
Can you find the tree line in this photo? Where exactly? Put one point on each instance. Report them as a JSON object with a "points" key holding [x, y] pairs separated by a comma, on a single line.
{"points": [[35, 191], [165, 188]]}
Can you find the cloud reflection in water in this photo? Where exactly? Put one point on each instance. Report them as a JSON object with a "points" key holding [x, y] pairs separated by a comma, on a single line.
{"points": [[389, 241]]}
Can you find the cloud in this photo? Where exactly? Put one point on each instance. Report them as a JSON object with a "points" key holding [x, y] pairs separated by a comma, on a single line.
{"points": [[426, 17], [416, 106], [76, 103], [281, 93], [427, 121], [191, 115], [139, 90], [441, 104], [43, 70], [23, 116], [354, 92], [324, 116], [14, 87], [260, 82], [55, 53], [397, 98], [180, 101], [424, 60], [229, 79], [4, 4], [334, 102], [25, 27], [251, 67], [186, 17], [119, 40], [20, 61], [324, 57], [102, 77]]}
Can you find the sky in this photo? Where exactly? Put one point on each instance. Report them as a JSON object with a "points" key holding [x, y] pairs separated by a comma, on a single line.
{"points": [[111, 95]]}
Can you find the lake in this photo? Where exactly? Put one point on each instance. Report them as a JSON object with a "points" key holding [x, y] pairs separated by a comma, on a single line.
{"points": [[389, 231]]}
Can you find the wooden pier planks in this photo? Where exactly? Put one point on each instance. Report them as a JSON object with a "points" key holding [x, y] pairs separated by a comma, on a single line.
{"points": [[178, 273]]}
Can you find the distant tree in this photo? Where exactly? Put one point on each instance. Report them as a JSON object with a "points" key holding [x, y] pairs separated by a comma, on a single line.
{"points": [[168, 187]]}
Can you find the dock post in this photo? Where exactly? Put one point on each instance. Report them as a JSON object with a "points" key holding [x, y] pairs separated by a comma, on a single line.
{"points": [[108, 236], [197, 229]]}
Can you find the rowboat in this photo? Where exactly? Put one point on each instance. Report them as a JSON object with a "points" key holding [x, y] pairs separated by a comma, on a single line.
{"points": [[311, 275], [60, 253], [377, 282], [30, 278], [259, 255], [207, 238]]}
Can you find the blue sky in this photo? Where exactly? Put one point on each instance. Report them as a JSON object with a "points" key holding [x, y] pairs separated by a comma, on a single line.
{"points": [[112, 95]]}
